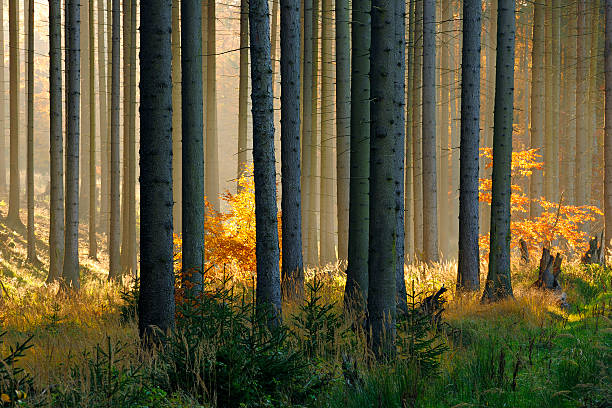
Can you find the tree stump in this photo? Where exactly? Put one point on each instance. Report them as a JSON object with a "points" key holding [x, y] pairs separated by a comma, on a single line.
{"points": [[524, 251], [550, 268], [595, 253]]}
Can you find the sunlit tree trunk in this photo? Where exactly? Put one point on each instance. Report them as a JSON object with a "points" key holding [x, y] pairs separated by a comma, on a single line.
{"points": [[592, 100], [56, 139], [313, 242], [243, 88], [581, 106], [31, 252], [114, 240], [498, 284], [356, 288], [549, 152], [3, 190], [417, 162], [443, 121], [408, 173], [193, 152], [468, 268], [71, 243], [93, 245], [568, 134], [176, 118], [268, 289], [104, 129], [13, 219], [538, 108], [608, 124], [293, 271], [556, 95], [343, 120], [430, 222], [133, 256], [156, 301], [383, 173], [211, 170], [84, 162], [125, 186], [274, 34], [307, 78]]}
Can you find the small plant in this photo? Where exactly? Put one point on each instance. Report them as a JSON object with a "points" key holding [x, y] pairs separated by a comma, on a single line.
{"points": [[15, 383], [129, 309]]}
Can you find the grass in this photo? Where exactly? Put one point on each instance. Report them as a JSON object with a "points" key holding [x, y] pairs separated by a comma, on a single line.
{"points": [[523, 352]]}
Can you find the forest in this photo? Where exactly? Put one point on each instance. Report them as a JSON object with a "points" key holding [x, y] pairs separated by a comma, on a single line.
{"points": [[306, 203]]}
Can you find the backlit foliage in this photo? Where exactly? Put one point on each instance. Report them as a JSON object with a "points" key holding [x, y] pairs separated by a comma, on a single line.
{"points": [[559, 225]]}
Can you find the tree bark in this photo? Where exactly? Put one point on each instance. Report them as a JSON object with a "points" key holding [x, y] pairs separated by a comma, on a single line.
{"points": [[268, 289], [307, 135], [176, 119], [608, 125], [417, 139], [127, 105], [104, 115], [313, 221], [408, 174], [56, 163], [93, 245], [211, 171], [538, 107], [156, 301], [13, 219], [581, 107], [3, 190], [468, 268], [84, 162], [498, 284], [31, 251], [71, 244], [243, 89]]}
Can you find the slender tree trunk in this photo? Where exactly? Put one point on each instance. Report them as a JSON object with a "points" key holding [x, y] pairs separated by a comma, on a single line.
{"points": [[443, 121], [3, 190], [313, 242], [176, 118], [417, 161], [307, 135], [549, 153], [56, 163], [71, 244], [211, 171], [156, 301], [31, 256], [538, 107], [13, 219], [430, 222], [608, 125], [591, 104], [343, 120], [125, 186], [133, 256], [243, 89], [581, 107], [268, 289], [93, 245], [556, 95], [274, 34], [498, 284], [114, 240], [468, 269], [193, 150], [383, 174], [293, 271], [356, 288], [104, 129], [84, 162], [408, 174]]}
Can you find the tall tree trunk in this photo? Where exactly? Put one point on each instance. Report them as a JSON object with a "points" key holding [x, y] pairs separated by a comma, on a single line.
{"points": [[498, 284], [343, 120], [468, 269], [56, 163], [313, 220], [356, 288], [581, 107], [274, 34], [549, 136], [307, 135], [556, 94], [104, 128], [383, 174], [408, 174], [567, 166], [71, 243], [13, 219], [243, 89], [133, 256], [430, 221], [268, 291], [93, 245], [417, 118], [608, 125], [444, 170], [211, 171], [176, 118], [293, 270], [85, 120], [156, 301], [31, 255], [592, 98], [538, 111], [114, 240], [125, 186], [193, 150], [3, 190]]}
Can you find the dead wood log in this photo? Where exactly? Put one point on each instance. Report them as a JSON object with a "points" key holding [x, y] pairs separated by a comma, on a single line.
{"points": [[524, 251]]}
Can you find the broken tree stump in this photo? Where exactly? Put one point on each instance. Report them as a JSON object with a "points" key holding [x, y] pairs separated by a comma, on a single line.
{"points": [[595, 253], [550, 268], [524, 251]]}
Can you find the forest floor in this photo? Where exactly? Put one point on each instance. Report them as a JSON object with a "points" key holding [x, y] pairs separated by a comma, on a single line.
{"points": [[84, 349]]}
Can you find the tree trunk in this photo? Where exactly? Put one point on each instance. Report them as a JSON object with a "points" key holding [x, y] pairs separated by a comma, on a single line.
{"points": [[556, 95], [274, 39], [383, 174], [498, 284], [211, 171], [71, 244], [356, 288], [581, 107], [85, 120], [468, 268], [343, 120], [538, 111], [56, 163], [268, 289], [243, 90], [31, 255], [293, 271], [2, 110], [307, 135], [567, 176], [417, 162], [408, 174], [93, 246], [176, 119], [444, 169], [193, 150], [133, 256], [156, 301], [13, 219], [430, 218], [125, 185], [313, 242], [608, 125], [114, 240], [549, 153], [104, 129]]}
